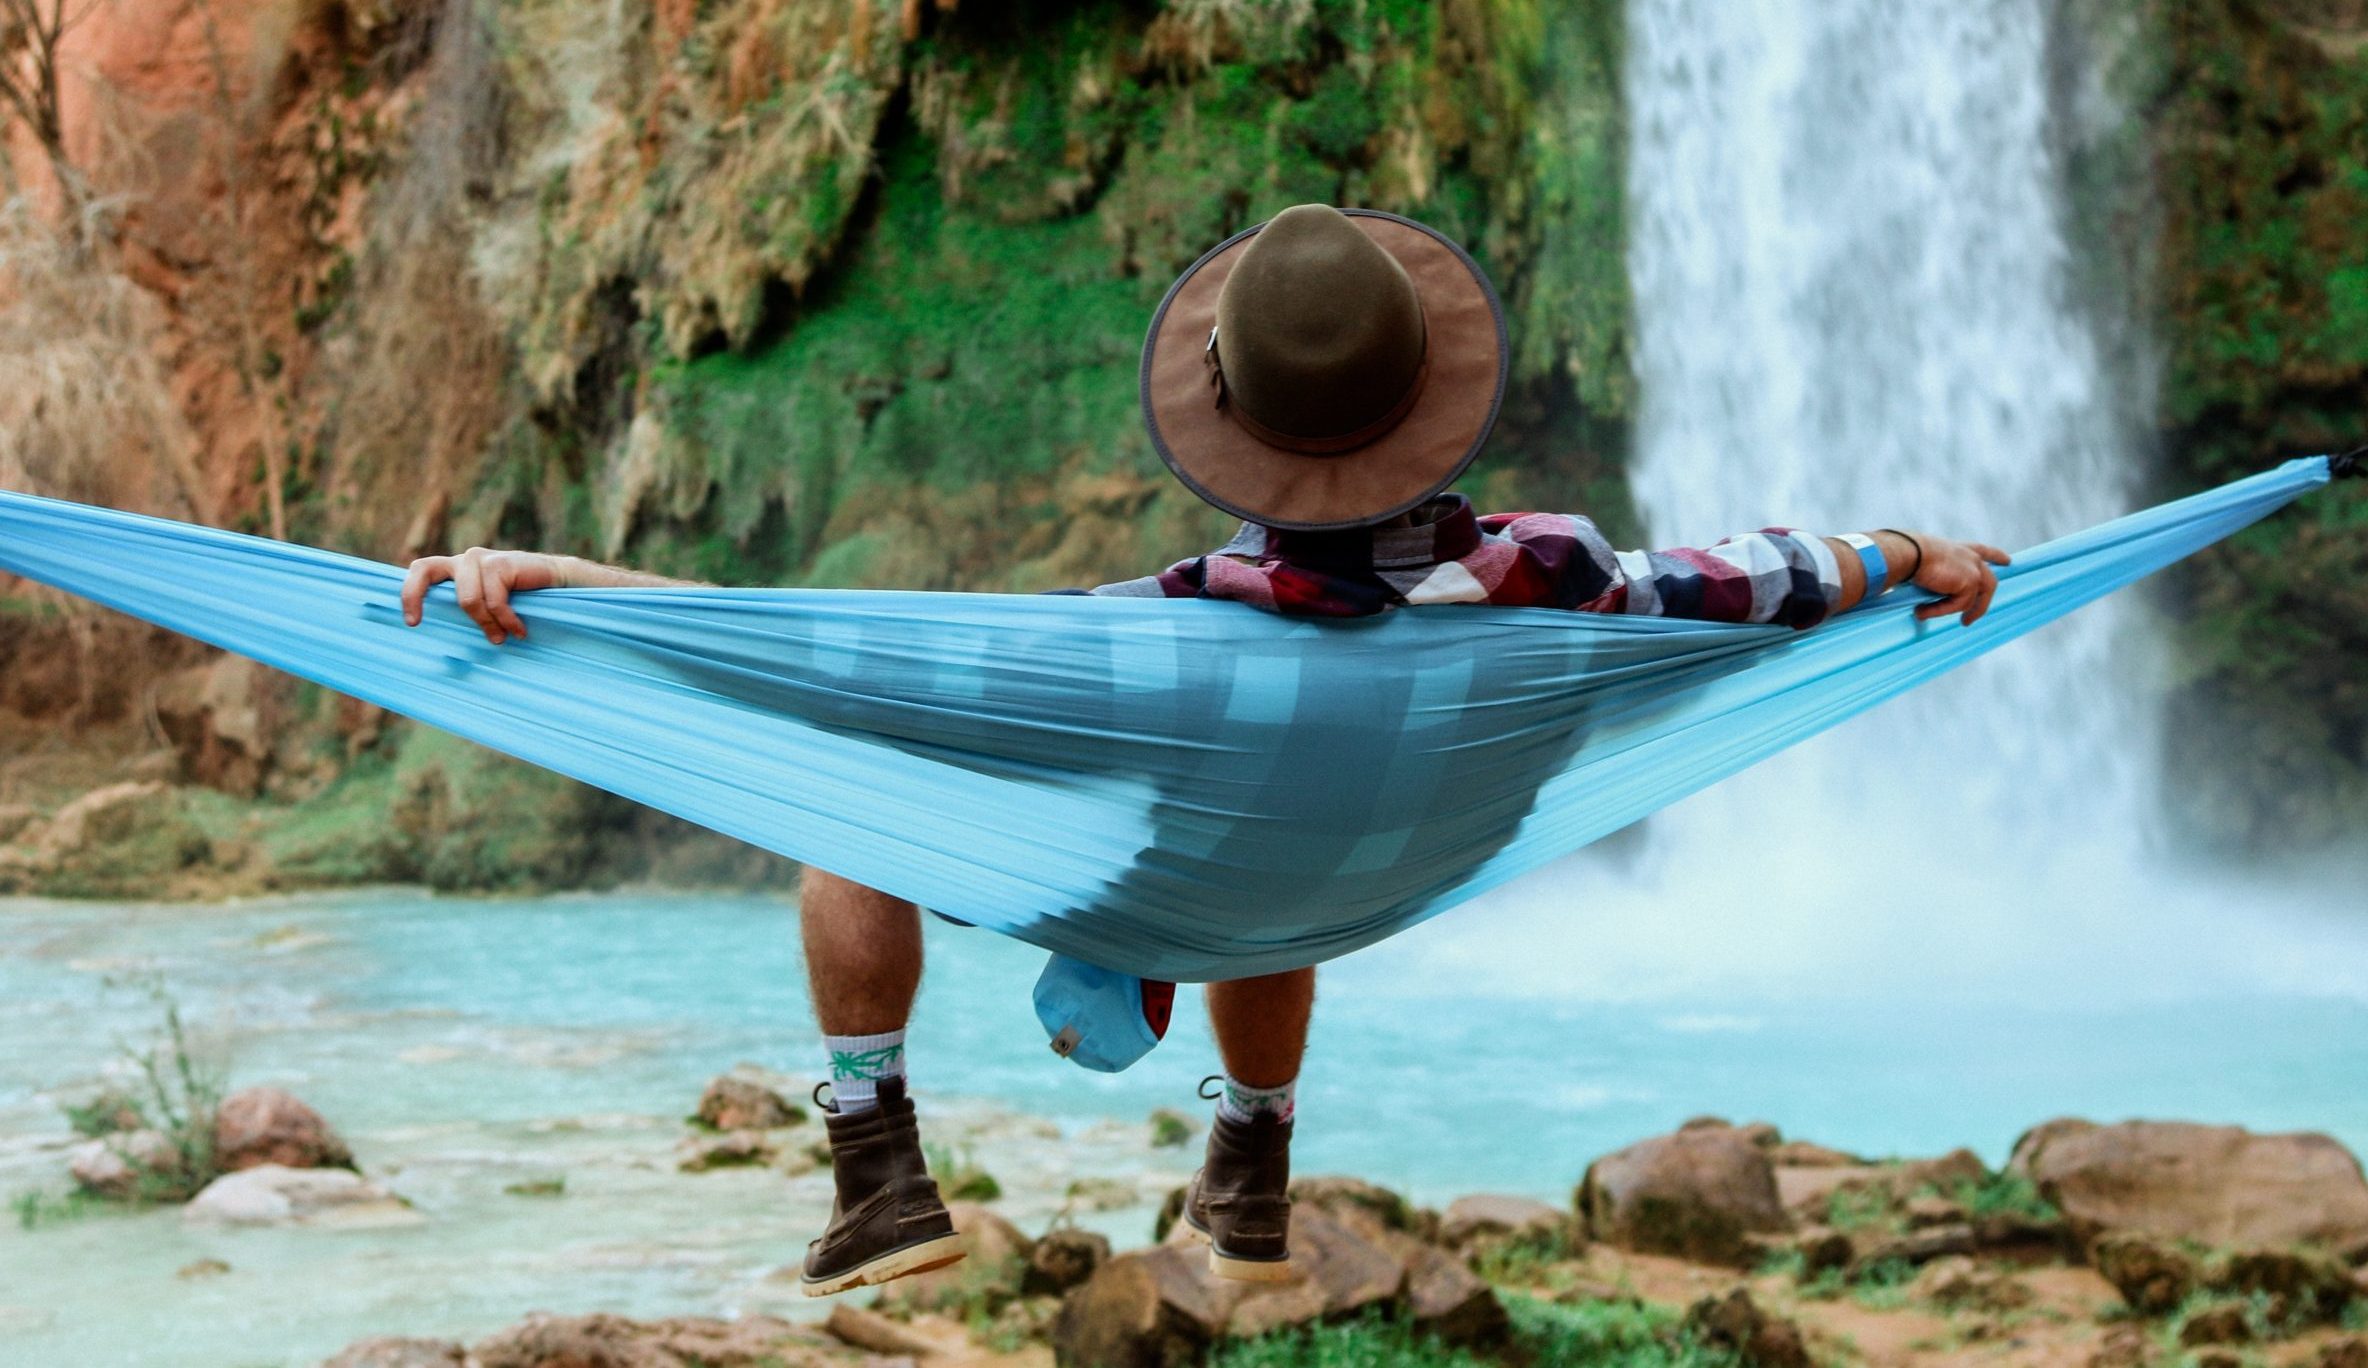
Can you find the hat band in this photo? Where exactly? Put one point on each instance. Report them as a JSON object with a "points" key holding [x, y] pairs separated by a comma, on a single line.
{"points": [[1347, 441]]}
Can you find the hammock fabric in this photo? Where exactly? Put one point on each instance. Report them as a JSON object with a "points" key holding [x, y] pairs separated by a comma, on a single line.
{"points": [[1170, 789]]}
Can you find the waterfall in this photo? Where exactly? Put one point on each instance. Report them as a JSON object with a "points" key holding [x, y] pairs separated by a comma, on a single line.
{"points": [[1850, 271]]}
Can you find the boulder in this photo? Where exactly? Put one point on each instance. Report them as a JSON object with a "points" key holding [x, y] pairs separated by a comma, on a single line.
{"points": [[993, 1269], [1161, 1307], [1959, 1284], [737, 1102], [388, 1351], [257, 1126], [2216, 1185], [1803, 1154], [1334, 1192], [2152, 1274], [1063, 1257], [1696, 1194], [131, 1164], [1824, 1249], [273, 1194], [1914, 1247], [197, 1269], [1944, 1175], [2227, 1323], [601, 1341], [2296, 1286], [1927, 1211], [1762, 1133], [1734, 1326], [1488, 1219]]}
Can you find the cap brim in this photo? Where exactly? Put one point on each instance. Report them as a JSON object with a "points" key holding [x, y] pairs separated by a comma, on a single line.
{"points": [[1221, 461]]}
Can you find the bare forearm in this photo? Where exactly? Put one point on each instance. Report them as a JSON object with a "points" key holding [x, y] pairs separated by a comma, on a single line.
{"points": [[1900, 558], [575, 572]]}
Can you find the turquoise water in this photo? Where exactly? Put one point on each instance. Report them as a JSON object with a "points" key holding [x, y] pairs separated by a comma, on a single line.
{"points": [[465, 1044]]}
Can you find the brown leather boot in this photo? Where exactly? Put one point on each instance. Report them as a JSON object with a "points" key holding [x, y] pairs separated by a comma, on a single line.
{"points": [[888, 1220], [1240, 1200]]}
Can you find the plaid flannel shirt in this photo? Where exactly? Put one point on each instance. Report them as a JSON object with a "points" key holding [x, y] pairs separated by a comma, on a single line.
{"points": [[1537, 560]]}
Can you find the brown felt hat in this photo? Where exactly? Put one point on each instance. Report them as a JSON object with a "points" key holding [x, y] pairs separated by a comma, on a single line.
{"points": [[1327, 368]]}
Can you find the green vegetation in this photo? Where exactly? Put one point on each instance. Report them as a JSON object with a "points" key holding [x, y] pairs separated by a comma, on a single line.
{"points": [[1612, 1334], [2003, 1194], [1525, 1260], [554, 1186], [959, 1176]]}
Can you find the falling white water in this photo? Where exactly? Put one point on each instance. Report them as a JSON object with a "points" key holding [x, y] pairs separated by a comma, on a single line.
{"points": [[1850, 272], [1854, 311]]}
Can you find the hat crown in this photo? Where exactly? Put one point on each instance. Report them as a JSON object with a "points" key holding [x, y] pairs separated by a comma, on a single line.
{"points": [[1319, 331]]}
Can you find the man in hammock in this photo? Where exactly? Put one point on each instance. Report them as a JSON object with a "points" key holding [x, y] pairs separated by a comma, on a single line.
{"points": [[1324, 376]]}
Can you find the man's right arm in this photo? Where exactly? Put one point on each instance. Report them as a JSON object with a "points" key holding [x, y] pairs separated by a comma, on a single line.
{"points": [[484, 580]]}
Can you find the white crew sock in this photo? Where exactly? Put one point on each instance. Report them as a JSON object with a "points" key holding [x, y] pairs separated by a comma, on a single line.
{"points": [[1240, 1102], [858, 1063]]}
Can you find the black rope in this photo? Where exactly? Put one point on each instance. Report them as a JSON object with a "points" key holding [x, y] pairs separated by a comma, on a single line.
{"points": [[2352, 464]]}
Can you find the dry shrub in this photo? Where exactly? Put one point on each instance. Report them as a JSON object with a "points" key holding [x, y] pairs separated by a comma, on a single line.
{"points": [[86, 409]]}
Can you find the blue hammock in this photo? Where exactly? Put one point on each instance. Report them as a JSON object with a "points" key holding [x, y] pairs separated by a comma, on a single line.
{"points": [[1165, 789]]}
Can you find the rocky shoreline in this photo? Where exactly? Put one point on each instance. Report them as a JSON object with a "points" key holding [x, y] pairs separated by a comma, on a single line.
{"points": [[2095, 1246]]}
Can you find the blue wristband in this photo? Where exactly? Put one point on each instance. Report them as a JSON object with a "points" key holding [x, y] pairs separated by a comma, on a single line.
{"points": [[1878, 567]]}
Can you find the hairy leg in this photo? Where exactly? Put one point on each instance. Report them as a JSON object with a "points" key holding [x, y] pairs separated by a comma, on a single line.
{"points": [[1261, 1025], [863, 954]]}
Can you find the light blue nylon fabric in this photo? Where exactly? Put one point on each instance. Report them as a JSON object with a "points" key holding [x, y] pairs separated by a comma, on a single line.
{"points": [[1176, 789]]}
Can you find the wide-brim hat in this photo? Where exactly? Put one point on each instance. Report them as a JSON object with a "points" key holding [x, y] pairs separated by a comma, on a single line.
{"points": [[1347, 384]]}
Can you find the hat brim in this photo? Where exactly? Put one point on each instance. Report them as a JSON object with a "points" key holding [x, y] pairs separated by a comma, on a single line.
{"points": [[1220, 460]]}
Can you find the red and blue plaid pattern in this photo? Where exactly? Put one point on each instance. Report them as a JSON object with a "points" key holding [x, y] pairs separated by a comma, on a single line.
{"points": [[1448, 554]]}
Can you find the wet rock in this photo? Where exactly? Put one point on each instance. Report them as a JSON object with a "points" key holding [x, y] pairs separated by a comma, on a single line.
{"points": [[1959, 1283], [136, 1163], [1738, 1326], [992, 1271], [1162, 1306], [2225, 1324], [1100, 1194], [201, 1268], [276, 1195], [2216, 1185], [2152, 1274], [702, 1153], [736, 1101], [257, 1126], [1487, 1219], [1062, 1258], [388, 1351], [1170, 1129], [599, 1341], [1696, 1194]]}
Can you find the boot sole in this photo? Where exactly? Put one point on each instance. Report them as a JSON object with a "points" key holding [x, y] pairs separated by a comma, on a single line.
{"points": [[1240, 1270], [888, 1267]]}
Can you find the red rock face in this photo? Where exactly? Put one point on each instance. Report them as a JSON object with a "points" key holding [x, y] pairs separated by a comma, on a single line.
{"points": [[257, 1126]]}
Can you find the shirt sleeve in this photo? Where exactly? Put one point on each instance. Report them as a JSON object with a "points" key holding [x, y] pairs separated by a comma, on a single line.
{"points": [[1775, 575]]}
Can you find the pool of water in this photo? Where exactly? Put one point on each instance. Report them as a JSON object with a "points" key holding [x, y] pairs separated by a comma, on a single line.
{"points": [[464, 1045]]}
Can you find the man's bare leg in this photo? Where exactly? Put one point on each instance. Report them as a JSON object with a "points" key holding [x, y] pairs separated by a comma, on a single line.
{"points": [[863, 954], [1240, 1198], [1261, 1025], [863, 962]]}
